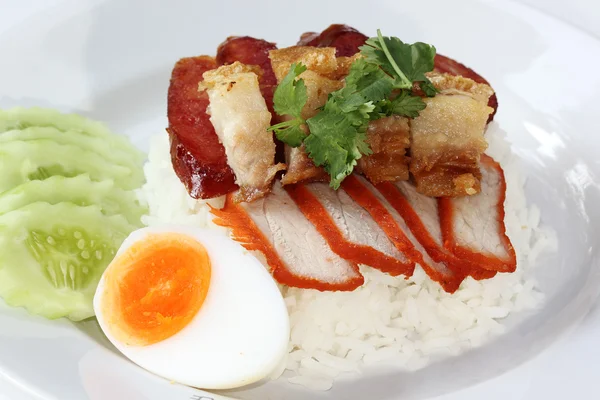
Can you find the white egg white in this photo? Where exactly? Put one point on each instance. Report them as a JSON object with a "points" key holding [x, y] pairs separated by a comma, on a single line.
{"points": [[240, 333]]}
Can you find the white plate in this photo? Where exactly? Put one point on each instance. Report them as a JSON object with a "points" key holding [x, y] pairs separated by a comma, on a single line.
{"points": [[111, 60]]}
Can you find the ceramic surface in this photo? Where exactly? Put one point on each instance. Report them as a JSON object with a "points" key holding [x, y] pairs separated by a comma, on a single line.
{"points": [[111, 60]]}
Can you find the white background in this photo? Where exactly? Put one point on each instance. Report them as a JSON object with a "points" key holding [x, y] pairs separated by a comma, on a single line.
{"points": [[570, 369]]}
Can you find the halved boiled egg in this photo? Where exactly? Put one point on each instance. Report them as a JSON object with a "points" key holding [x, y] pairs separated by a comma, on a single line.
{"points": [[194, 307]]}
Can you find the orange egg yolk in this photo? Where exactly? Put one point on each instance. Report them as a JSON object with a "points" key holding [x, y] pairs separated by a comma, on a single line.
{"points": [[155, 288]]}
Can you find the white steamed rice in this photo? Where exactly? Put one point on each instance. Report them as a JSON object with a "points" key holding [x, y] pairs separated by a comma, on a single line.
{"points": [[404, 323]]}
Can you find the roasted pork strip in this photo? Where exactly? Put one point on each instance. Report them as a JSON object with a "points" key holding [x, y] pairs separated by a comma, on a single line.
{"points": [[448, 275], [447, 137], [348, 228], [473, 227], [240, 117], [197, 156], [295, 252], [422, 217]]}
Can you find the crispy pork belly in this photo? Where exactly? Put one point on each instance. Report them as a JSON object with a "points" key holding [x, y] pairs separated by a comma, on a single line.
{"points": [[447, 137], [445, 64], [300, 168], [321, 78], [473, 227], [321, 61], [421, 215], [389, 138], [295, 252], [348, 228], [239, 114], [343, 66], [446, 273], [449, 84]]}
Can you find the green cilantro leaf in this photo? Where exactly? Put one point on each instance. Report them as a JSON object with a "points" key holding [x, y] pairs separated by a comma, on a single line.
{"points": [[406, 105], [351, 104], [290, 95], [289, 99], [345, 100], [428, 88], [370, 81], [406, 63], [290, 132], [336, 144]]}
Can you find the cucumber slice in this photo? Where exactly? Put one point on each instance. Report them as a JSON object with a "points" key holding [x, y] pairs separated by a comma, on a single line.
{"points": [[21, 162], [98, 145], [52, 257], [22, 118], [79, 190]]}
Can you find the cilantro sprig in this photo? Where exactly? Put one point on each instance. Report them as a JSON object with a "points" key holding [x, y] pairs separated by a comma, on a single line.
{"points": [[378, 84], [406, 63], [289, 99]]}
